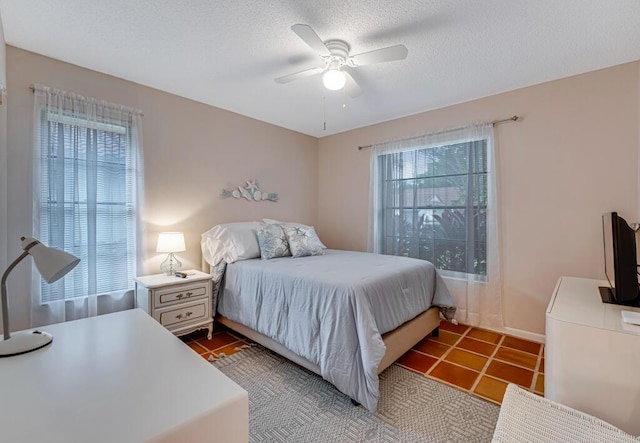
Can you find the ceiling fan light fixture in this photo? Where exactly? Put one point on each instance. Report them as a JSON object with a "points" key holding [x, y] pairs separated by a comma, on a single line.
{"points": [[334, 79], [336, 55]]}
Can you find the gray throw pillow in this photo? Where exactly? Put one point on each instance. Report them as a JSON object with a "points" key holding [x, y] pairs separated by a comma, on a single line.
{"points": [[303, 241], [273, 241]]}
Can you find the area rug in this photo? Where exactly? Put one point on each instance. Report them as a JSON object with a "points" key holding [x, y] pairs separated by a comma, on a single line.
{"points": [[290, 404]]}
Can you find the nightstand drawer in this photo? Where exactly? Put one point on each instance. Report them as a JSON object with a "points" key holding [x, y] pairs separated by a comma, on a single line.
{"points": [[183, 313], [181, 293]]}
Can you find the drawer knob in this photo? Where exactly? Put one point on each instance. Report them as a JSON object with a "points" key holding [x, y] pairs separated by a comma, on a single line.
{"points": [[179, 296], [189, 294], [185, 315]]}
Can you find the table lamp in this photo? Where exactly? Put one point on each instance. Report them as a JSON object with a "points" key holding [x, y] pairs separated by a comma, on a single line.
{"points": [[52, 264], [170, 242]]}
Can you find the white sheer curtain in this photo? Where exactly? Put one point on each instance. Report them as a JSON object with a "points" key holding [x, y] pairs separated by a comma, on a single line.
{"points": [[87, 192], [435, 197]]}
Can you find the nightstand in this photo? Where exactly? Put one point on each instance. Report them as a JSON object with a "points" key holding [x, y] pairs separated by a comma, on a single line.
{"points": [[182, 305]]}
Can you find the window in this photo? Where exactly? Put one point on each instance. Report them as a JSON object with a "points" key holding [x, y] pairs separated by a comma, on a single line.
{"points": [[86, 175], [432, 203]]}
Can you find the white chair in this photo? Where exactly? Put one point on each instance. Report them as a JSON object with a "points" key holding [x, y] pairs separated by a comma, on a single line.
{"points": [[528, 418]]}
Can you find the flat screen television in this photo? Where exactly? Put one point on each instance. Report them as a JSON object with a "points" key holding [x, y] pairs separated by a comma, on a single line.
{"points": [[620, 262]]}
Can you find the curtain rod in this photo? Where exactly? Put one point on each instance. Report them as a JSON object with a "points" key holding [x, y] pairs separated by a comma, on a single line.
{"points": [[495, 122], [136, 111]]}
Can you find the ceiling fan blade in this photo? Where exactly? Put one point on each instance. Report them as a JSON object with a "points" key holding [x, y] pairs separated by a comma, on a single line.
{"points": [[398, 52], [352, 88], [306, 33], [299, 75]]}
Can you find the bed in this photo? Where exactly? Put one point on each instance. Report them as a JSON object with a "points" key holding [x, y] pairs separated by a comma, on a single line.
{"points": [[344, 315]]}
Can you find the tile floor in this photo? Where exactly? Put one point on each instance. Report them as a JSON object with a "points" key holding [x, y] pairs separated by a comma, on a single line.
{"points": [[474, 360], [478, 361]]}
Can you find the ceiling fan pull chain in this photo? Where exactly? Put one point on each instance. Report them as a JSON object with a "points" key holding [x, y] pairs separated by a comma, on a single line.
{"points": [[324, 112]]}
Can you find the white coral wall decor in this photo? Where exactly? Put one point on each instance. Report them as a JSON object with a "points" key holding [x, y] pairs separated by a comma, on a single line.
{"points": [[250, 192]]}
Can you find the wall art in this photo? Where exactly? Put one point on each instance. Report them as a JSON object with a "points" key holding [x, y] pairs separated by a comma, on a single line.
{"points": [[250, 192]]}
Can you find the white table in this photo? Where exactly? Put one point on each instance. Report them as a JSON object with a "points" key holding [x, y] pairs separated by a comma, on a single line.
{"points": [[592, 358], [119, 377]]}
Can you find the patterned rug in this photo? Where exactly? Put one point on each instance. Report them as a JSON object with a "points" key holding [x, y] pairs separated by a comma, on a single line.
{"points": [[290, 404]]}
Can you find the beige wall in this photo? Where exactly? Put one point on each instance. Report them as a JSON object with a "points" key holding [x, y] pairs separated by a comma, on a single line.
{"points": [[3, 156], [573, 156], [191, 152]]}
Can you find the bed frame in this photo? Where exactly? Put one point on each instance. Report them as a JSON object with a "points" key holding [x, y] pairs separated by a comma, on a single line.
{"points": [[398, 341]]}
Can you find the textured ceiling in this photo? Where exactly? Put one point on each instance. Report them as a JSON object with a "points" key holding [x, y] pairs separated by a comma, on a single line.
{"points": [[227, 53]]}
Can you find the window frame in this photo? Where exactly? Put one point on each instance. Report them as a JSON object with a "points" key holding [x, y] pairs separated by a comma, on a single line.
{"points": [[380, 230], [96, 127]]}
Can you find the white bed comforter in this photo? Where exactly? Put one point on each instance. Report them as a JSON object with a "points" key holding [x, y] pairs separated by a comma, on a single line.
{"points": [[332, 309]]}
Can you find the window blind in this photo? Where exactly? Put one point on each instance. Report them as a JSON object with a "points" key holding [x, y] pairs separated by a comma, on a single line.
{"points": [[86, 206]]}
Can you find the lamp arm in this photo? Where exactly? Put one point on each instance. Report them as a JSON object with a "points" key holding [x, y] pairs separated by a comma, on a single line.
{"points": [[5, 308]]}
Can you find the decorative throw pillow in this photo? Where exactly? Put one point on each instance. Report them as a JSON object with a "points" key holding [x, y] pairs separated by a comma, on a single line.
{"points": [[303, 241], [272, 221], [273, 241]]}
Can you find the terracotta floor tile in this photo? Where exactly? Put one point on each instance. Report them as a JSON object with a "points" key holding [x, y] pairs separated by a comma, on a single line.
{"points": [[477, 346], [491, 388], [466, 359], [521, 345], [514, 374], [484, 335], [229, 349], [196, 347], [517, 357], [237, 335], [448, 326], [417, 361], [217, 341], [432, 348], [458, 376], [541, 368], [446, 337], [539, 387]]}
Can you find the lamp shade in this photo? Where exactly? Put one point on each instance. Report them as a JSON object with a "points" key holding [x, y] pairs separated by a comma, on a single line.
{"points": [[52, 264], [171, 242]]}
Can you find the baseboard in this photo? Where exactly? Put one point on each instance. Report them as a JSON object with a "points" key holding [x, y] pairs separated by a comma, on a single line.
{"points": [[532, 336]]}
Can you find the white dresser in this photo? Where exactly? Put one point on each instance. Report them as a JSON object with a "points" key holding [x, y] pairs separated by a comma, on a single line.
{"points": [[592, 358]]}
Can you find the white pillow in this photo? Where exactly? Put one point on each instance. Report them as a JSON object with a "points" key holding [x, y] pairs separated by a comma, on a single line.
{"points": [[230, 242], [270, 221]]}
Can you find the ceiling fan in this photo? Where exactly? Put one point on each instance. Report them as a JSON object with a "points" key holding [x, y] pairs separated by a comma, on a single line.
{"points": [[337, 64]]}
